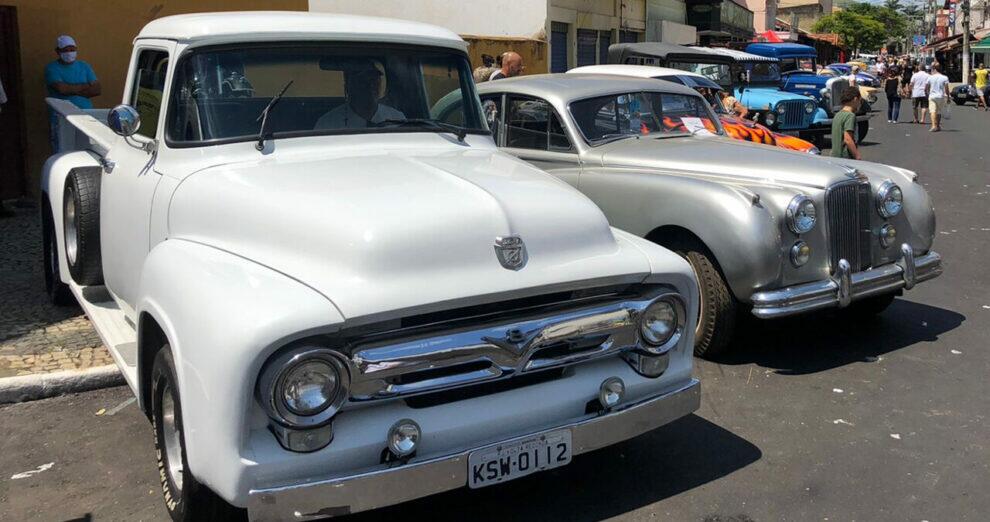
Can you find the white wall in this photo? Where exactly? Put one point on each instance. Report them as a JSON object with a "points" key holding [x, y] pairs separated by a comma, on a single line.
{"points": [[514, 18]]}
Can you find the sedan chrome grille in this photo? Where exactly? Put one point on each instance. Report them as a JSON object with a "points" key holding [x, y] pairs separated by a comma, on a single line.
{"points": [[847, 207]]}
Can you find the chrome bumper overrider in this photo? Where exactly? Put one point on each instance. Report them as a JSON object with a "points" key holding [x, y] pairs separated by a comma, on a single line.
{"points": [[844, 286], [343, 495]]}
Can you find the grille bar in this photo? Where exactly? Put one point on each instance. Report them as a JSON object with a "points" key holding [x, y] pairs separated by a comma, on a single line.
{"points": [[794, 115], [848, 208]]}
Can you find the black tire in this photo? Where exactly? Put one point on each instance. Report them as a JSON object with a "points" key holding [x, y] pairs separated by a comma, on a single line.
{"points": [[190, 500], [58, 292], [81, 226], [862, 128], [718, 308], [869, 307]]}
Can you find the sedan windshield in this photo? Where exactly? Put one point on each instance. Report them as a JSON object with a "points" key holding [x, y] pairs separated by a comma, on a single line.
{"points": [[617, 116], [220, 93]]}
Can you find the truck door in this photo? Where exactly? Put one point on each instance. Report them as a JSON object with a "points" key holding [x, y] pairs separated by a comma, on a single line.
{"points": [[129, 176]]}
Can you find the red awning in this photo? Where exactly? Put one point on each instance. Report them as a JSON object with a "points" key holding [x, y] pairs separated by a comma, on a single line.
{"points": [[767, 36]]}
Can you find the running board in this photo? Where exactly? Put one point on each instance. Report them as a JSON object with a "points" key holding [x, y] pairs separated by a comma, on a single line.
{"points": [[113, 327]]}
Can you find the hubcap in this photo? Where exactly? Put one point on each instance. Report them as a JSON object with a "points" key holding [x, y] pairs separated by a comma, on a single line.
{"points": [[172, 438], [71, 235]]}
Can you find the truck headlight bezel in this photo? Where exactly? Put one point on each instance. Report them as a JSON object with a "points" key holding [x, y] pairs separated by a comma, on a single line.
{"points": [[276, 380]]}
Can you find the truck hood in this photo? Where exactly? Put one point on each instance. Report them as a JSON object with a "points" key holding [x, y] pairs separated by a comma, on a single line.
{"points": [[735, 161], [379, 231], [763, 97]]}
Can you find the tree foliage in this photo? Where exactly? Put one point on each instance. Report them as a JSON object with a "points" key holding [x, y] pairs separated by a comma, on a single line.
{"points": [[859, 31]]}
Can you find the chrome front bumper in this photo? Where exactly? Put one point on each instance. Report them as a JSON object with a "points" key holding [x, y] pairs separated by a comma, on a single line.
{"points": [[844, 286], [375, 489]]}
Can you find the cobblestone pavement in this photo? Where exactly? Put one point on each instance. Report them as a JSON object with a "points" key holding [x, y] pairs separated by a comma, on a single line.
{"points": [[35, 335]]}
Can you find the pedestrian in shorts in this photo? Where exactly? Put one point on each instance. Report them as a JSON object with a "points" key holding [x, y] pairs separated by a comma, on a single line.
{"points": [[937, 90], [919, 94]]}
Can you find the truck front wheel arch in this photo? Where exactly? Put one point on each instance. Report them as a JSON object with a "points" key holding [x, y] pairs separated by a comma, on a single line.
{"points": [[151, 339], [81, 226]]}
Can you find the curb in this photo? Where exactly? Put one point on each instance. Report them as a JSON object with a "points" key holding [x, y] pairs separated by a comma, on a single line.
{"points": [[43, 385]]}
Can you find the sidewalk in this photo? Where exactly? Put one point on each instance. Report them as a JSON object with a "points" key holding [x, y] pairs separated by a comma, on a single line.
{"points": [[37, 337]]}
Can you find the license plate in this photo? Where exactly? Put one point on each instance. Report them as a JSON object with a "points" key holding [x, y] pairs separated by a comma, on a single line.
{"points": [[511, 460]]}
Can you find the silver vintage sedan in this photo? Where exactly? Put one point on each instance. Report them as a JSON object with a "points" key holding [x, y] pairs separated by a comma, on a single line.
{"points": [[766, 230]]}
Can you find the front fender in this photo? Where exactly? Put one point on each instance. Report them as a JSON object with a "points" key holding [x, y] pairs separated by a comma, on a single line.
{"points": [[53, 176], [741, 232], [223, 315]]}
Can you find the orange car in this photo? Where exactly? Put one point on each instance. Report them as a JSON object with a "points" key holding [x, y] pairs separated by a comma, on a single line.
{"points": [[738, 128]]}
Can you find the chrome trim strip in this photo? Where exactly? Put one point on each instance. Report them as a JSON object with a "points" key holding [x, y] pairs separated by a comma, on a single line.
{"points": [[827, 293], [446, 359], [384, 487]]}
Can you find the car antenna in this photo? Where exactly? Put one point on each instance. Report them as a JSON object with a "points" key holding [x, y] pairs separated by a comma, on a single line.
{"points": [[263, 117]]}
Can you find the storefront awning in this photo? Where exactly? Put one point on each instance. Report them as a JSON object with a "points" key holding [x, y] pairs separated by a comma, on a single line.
{"points": [[982, 45]]}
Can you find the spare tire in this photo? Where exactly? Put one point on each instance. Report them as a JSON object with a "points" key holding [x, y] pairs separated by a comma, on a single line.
{"points": [[81, 225]]}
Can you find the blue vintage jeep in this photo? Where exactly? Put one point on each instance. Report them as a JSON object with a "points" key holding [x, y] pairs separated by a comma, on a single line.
{"points": [[760, 92], [798, 64]]}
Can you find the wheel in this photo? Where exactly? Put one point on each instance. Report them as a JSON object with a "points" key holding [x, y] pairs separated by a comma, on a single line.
{"points": [[717, 309], [185, 498], [959, 101], [868, 307], [81, 223], [58, 292], [862, 128]]}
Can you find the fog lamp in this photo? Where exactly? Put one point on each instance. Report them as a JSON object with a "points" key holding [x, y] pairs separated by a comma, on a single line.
{"points": [[611, 392], [888, 234], [403, 437], [800, 253]]}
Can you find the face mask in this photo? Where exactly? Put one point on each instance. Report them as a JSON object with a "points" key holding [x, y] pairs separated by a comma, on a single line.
{"points": [[68, 57]]}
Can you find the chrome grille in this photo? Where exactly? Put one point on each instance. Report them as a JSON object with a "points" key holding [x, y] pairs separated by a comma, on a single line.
{"points": [[794, 115], [847, 206]]}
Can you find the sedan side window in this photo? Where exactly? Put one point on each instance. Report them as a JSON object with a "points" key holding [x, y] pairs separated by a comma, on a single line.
{"points": [[532, 124]]}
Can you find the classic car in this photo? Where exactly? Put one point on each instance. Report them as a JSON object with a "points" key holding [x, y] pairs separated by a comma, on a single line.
{"points": [[736, 127], [781, 111], [798, 65], [768, 231], [326, 300], [964, 93]]}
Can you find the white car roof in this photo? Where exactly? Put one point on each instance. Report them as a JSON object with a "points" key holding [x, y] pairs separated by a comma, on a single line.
{"points": [[639, 71], [250, 26]]}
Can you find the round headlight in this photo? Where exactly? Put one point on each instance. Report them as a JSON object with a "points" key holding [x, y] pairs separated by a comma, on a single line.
{"points": [[800, 253], [770, 118], [659, 322], [781, 110], [309, 387], [809, 107], [890, 199], [888, 235], [801, 214]]}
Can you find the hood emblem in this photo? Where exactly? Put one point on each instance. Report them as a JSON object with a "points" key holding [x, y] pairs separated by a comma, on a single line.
{"points": [[511, 252]]}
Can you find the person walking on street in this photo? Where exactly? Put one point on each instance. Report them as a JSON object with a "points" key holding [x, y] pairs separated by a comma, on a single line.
{"points": [[892, 87], [937, 90], [512, 65], [844, 125], [919, 80], [981, 75]]}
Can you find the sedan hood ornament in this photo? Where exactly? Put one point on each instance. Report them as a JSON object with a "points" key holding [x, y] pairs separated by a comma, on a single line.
{"points": [[511, 252]]}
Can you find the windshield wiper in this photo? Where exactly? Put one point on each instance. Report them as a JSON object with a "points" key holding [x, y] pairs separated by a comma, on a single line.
{"points": [[263, 117], [614, 136], [458, 131]]}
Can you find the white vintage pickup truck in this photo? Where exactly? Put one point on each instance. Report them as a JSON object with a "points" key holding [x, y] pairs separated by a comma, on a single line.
{"points": [[326, 298]]}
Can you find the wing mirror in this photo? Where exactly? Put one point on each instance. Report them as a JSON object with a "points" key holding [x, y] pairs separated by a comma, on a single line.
{"points": [[124, 120]]}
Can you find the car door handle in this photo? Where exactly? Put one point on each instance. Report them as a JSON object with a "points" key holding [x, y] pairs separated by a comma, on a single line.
{"points": [[107, 165]]}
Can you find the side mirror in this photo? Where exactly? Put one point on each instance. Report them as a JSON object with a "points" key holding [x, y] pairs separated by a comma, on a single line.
{"points": [[124, 120]]}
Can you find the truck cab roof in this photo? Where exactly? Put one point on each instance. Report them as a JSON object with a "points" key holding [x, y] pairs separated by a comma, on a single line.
{"points": [[228, 27], [781, 50]]}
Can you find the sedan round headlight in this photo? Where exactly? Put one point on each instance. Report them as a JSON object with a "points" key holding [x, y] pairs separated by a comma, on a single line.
{"points": [[309, 387], [781, 110], [809, 107], [890, 199], [659, 322], [801, 214]]}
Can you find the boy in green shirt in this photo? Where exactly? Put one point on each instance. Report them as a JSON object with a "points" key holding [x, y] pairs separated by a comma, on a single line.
{"points": [[844, 125]]}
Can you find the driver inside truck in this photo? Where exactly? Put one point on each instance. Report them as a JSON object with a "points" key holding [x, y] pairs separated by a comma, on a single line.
{"points": [[362, 108]]}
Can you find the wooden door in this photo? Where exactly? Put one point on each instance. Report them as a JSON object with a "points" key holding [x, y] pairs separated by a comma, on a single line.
{"points": [[13, 140]]}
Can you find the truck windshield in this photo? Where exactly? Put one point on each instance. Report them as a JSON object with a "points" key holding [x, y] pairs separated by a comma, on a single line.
{"points": [[797, 64], [762, 72], [337, 88], [716, 72], [609, 118]]}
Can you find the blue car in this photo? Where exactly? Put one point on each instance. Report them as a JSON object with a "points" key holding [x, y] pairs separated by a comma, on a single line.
{"points": [[797, 68], [862, 78]]}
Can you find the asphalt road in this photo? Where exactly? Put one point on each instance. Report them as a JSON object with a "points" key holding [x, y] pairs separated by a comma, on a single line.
{"points": [[815, 418]]}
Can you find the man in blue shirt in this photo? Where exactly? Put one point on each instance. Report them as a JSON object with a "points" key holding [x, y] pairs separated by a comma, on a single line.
{"points": [[71, 79]]}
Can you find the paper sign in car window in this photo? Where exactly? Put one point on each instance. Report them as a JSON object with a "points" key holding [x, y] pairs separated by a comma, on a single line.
{"points": [[695, 125]]}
